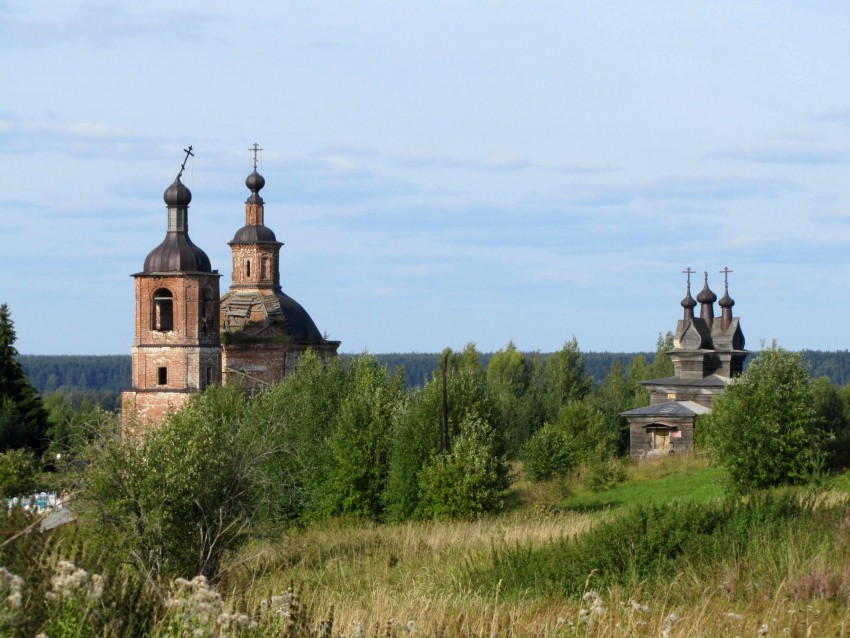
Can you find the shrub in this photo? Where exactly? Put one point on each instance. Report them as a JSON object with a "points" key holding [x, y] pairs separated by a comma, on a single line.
{"points": [[177, 500], [470, 480], [18, 473], [579, 436], [602, 473], [763, 429], [360, 439], [417, 431], [295, 419], [548, 454]]}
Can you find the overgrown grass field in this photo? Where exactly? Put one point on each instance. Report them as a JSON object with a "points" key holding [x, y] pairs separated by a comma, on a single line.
{"points": [[661, 554], [664, 553]]}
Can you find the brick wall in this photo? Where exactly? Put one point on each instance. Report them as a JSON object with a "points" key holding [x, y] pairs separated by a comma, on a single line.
{"points": [[172, 359], [262, 364], [143, 411], [264, 266]]}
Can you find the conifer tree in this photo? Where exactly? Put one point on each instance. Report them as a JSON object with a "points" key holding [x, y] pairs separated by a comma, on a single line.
{"points": [[23, 419]]}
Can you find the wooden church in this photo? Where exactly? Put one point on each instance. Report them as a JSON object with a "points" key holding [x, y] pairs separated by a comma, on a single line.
{"points": [[707, 354]]}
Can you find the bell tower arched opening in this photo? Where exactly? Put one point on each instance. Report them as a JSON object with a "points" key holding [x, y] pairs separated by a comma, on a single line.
{"points": [[163, 310]]}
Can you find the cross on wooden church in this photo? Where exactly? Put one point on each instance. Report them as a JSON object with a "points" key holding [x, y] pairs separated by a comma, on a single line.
{"points": [[188, 152], [726, 272], [689, 272], [255, 149]]}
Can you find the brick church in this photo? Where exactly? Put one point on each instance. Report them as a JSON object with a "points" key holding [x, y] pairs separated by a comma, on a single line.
{"points": [[189, 337], [707, 354]]}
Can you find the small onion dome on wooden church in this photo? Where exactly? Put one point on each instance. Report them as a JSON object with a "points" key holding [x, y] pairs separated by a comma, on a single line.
{"points": [[689, 304], [177, 253], [726, 303], [706, 296], [706, 299]]}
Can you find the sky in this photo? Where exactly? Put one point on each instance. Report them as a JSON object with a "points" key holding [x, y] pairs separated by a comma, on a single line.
{"points": [[440, 172]]}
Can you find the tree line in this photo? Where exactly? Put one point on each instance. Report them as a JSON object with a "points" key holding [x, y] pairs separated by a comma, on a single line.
{"points": [[108, 375]]}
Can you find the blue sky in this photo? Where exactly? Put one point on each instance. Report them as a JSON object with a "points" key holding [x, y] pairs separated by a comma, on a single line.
{"points": [[440, 172]]}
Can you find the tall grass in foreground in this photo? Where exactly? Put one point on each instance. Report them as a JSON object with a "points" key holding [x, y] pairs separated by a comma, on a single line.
{"points": [[771, 564], [652, 543], [711, 569]]}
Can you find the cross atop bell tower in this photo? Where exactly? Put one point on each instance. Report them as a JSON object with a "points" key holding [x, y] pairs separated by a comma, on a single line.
{"points": [[254, 149]]}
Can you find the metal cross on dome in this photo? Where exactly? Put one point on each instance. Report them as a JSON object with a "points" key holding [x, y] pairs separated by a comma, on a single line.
{"points": [[689, 272], [726, 272], [188, 152], [255, 149]]}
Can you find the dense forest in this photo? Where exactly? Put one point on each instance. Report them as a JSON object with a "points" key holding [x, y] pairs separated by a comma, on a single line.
{"points": [[110, 374]]}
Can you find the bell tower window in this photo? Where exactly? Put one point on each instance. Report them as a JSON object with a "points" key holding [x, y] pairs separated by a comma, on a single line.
{"points": [[207, 315], [162, 376], [264, 263], [248, 269], [163, 310]]}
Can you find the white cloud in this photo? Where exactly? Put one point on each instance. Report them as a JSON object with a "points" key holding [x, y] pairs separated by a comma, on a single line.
{"points": [[99, 25], [786, 154]]}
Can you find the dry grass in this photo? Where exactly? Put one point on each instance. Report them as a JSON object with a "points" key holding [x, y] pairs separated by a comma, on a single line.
{"points": [[422, 545], [384, 580], [369, 575], [708, 612]]}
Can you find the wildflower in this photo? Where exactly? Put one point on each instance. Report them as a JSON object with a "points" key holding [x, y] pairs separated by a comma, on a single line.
{"points": [[584, 617], [595, 600], [13, 584], [636, 606], [763, 630], [667, 627], [197, 604], [233, 620], [69, 580], [732, 615]]}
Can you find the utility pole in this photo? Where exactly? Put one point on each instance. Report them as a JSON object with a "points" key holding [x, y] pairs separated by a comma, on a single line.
{"points": [[444, 421]]}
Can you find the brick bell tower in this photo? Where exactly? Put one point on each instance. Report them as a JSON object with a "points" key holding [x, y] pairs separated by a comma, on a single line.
{"points": [[176, 350]]}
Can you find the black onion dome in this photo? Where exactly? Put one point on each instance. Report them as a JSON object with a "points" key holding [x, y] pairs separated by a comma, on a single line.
{"points": [[688, 301], [177, 253], [726, 301], [299, 324], [177, 194], [706, 295], [254, 233], [255, 181]]}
